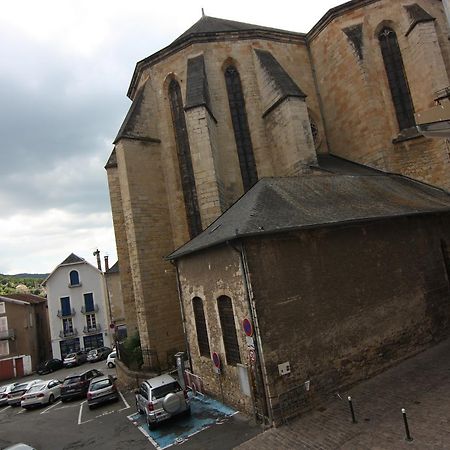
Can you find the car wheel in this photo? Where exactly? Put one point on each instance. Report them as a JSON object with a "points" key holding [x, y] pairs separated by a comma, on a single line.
{"points": [[152, 425], [188, 411], [138, 409], [90, 406], [64, 400], [110, 365], [51, 399]]}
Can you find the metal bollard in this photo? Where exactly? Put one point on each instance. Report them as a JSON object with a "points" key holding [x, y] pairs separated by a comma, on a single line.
{"points": [[351, 409], [405, 420]]}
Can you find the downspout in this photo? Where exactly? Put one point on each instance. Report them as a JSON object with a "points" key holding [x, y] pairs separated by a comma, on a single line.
{"points": [[183, 316], [254, 319]]}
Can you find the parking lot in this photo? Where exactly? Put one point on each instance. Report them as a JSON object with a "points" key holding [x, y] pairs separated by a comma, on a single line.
{"points": [[72, 425]]}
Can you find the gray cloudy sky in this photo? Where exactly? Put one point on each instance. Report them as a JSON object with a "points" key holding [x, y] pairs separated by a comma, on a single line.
{"points": [[65, 67]]}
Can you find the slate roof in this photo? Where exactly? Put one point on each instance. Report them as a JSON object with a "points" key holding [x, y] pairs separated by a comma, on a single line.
{"points": [[71, 259], [275, 205], [114, 268], [213, 25]]}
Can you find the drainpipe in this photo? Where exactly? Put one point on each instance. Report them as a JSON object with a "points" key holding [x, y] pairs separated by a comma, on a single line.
{"points": [[254, 319], [183, 316]]}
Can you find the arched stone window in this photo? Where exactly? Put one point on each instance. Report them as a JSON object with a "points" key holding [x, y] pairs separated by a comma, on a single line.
{"points": [[240, 127], [74, 278], [200, 325], [230, 341], [184, 159], [398, 83]]}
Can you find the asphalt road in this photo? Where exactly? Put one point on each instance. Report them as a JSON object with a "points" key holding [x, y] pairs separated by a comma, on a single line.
{"points": [[71, 425]]}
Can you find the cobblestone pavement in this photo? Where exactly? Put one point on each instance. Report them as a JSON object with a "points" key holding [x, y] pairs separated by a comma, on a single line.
{"points": [[421, 385]]}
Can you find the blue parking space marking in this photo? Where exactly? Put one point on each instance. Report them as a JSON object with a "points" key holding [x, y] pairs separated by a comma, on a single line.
{"points": [[205, 412]]}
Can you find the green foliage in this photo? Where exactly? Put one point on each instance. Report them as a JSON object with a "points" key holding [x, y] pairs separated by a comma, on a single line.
{"points": [[9, 283], [130, 352]]}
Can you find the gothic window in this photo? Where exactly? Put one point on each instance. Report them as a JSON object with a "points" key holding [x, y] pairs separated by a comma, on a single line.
{"points": [[396, 75], [228, 330], [74, 278], [241, 128], [184, 159], [200, 325]]}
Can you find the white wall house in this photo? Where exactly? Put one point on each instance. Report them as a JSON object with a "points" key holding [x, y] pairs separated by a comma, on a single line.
{"points": [[77, 307]]}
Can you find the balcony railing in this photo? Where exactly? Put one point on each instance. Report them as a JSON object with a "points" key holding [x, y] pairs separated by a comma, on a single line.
{"points": [[62, 314], [91, 330], [68, 333], [7, 334], [89, 311]]}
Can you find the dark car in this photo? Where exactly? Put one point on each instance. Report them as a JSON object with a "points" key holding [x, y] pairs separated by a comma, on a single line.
{"points": [[77, 385], [102, 389], [97, 354], [49, 366]]}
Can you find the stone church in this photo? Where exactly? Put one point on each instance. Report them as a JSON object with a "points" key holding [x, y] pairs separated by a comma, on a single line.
{"points": [[274, 204]]}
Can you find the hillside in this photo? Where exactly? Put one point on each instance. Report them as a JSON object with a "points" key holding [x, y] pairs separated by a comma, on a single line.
{"points": [[23, 283]]}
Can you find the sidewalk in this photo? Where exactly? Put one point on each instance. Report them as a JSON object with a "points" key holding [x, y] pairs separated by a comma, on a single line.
{"points": [[421, 385]]}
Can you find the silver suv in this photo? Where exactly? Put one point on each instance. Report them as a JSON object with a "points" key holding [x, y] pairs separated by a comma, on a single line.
{"points": [[160, 398]]}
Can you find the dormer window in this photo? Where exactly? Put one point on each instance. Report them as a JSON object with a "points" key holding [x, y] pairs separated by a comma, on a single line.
{"points": [[74, 278]]}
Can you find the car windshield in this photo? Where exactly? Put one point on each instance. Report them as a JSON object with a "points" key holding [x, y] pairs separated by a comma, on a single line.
{"points": [[112, 355], [71, 355], [20, 387], [71, 380], [162, 391], [36, 388], [100, 384]]}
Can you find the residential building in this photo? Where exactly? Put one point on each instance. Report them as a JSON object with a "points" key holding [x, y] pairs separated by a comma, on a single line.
{"points": [[77, 307], [24, 334], [229, 105]]}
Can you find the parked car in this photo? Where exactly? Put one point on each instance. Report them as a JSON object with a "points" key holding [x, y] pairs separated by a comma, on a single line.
{"points": [[50, 366], [160, 398], [4, 391], [75, 359], [15, 396], [111, 359], [19, 446], [102, 389], [97, 354], [41, 394], [77, 385]]}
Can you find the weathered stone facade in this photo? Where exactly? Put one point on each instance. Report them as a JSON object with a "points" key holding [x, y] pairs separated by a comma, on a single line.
{"points": [[303, 95]]}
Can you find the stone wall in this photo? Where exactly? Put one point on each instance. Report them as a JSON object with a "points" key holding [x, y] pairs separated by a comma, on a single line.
{"points": [[208, 276], [357, 106], [343, 303]]}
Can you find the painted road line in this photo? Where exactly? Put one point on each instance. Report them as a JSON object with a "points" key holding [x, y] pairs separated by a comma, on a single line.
{"points": [[80, 413], [4, 409], [20, 412], [50, 407], [126, 403], [144, 431]]}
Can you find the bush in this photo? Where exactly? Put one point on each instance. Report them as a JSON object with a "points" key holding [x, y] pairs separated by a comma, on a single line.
{"points": [[130, 352]]}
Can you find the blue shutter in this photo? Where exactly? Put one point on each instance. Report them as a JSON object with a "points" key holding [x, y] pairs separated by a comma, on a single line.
{"points": [[89, 302], [74, 278], [65, 306]]}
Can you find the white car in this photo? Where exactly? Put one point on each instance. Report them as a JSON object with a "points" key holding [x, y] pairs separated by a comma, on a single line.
{"points": [[111, 360], [4, 391], [43, 393], [15, 395]]}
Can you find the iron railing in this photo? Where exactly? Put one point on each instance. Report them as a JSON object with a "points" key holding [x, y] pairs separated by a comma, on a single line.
{"points": [[68, 333], [61, 314], [92, 329], [84, 310]]}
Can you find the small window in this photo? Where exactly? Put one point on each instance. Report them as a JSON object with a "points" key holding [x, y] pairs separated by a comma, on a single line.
{"points": [[228, 330], [74, 278], [4, 348], [2, 308], [200, 325]]}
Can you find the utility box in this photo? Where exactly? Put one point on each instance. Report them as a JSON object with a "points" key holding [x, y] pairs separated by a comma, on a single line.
{"points": [[284, 368]]}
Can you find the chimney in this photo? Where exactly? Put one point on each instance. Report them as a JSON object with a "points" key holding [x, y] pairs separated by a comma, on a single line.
{"points": [[99, 263], [106, 263]]}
